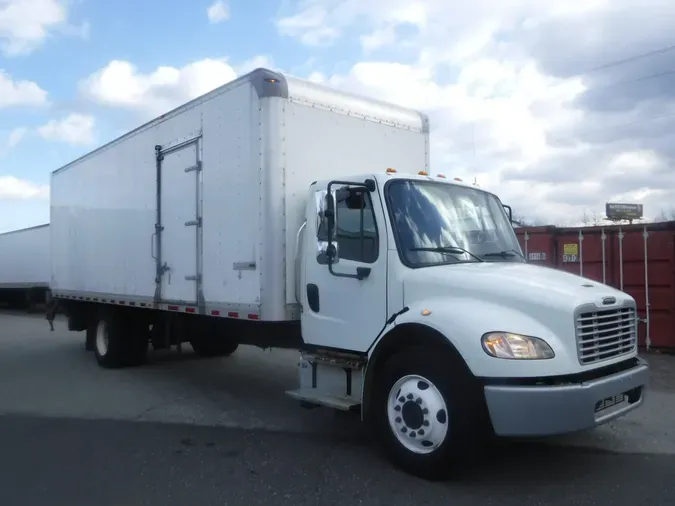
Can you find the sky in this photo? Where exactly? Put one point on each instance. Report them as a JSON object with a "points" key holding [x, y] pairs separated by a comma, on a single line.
{"points": [[557, 106]]}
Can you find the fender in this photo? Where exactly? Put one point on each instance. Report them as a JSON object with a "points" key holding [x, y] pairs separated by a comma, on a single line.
{"points": [[460, 323]]}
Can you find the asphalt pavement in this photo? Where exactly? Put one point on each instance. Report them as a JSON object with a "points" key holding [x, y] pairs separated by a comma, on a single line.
{"points": [[198, 432]]}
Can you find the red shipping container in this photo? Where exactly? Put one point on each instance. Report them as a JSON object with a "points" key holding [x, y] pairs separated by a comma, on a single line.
{"points": [[538, 244], [622, 265], [653, 290]]}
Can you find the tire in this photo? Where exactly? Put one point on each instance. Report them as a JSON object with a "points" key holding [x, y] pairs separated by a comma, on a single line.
{"points": [[110, 341], [428, 412], [206, 347]]}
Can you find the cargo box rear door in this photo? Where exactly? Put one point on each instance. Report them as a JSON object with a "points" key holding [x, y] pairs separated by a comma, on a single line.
{"points": [[179, 278]]}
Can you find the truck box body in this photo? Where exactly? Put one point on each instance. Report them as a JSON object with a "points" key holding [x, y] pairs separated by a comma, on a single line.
{"points": [[24, 258], [228, 191]]}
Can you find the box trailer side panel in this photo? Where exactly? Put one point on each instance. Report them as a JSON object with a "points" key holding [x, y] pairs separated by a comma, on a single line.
{"points": [[24, 258], [331, 134], [104, 208]]}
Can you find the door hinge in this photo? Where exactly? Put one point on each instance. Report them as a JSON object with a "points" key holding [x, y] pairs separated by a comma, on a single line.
{"points": [[197, 167], [194, 223], [197, 277]]}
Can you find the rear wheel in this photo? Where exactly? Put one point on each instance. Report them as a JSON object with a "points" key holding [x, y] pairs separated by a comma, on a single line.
{"points": [[109, 342], [118, 340], [427, 412]]}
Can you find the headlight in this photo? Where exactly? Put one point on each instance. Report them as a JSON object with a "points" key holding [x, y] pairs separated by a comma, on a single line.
{"points": [[516, 346]]}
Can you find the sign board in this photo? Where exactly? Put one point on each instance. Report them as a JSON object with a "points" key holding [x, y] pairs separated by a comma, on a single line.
{"points": [[570, 252], [536, 256], [623, 211]]}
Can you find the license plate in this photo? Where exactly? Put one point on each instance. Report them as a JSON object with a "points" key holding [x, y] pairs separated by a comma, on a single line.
{"points": [[609, 402]]}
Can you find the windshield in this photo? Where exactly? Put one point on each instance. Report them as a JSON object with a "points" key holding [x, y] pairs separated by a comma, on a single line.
{"points": [[439, 223]]}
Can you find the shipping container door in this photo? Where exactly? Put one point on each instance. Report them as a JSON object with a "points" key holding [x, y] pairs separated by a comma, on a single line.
{"points": [[538, 245], [181, 223]]}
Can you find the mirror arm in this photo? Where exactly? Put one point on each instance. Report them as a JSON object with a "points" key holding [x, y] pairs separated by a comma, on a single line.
{"points": [[508, 208]]}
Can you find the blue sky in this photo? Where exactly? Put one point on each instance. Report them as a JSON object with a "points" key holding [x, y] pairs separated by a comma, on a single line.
{"points": [[98, 32], [508, 100]]}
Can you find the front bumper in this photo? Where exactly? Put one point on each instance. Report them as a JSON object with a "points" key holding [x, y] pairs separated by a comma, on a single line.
{"points": [[523, 410]]}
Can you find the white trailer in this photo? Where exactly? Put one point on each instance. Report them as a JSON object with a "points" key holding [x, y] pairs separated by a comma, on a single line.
{"points": [[24, 266], [280, 213]]}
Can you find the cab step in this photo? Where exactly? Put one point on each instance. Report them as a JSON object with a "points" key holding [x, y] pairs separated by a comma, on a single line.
{"points": [[313, 396]]}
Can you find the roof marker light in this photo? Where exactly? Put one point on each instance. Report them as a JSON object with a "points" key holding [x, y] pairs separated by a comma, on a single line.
{"points": [[423, 173], [390, 170], [457, 179], [441, 176]]}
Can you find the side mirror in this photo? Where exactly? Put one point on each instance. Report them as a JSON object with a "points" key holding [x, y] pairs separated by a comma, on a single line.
{"points": [[330, 215], [509, 212], [326, 247], [320, 206], [324, 253]]}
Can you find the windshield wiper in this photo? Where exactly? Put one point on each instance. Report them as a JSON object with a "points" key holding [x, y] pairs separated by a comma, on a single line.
{"points": [[451, 250], [504, 254]]}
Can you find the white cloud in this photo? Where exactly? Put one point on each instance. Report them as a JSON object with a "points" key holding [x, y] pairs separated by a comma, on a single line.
{"points": [[254, 63], [310, 25], [15, 137], [13, 188], [76, 129], [218, 12], [379, 38], [121, 84], [506, 108], [25, 24], [15, 93]]}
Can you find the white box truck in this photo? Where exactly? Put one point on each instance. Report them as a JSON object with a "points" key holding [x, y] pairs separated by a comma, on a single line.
{"points": [[277, 212], [24, 267]]}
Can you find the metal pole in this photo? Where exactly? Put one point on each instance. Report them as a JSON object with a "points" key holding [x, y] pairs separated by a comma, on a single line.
{"points": [[603, 238], [648, 341], [620, 259], [581, 253], [526, 236]]}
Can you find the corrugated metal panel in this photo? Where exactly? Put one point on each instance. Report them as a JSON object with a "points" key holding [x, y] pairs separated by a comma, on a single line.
{"points": [[616, 255], [538, 244]]}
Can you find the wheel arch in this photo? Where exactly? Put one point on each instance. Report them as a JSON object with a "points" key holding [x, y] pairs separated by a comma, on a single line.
{"points": [[401, 337]]}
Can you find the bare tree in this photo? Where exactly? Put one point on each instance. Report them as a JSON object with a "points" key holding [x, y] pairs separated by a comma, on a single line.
{"points": [[596, 219], [665, 215], [592, 219], [524, 221]]}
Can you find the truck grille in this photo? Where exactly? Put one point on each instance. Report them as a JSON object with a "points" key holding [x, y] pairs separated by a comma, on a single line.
{"points": [[604, 334]]}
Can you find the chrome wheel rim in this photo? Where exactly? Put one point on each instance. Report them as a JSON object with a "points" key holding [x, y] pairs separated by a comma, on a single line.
{"points": [[102, 339], [417, 413]]}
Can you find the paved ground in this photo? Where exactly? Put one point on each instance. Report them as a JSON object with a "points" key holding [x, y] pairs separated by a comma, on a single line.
{"points": [[222, 432]]}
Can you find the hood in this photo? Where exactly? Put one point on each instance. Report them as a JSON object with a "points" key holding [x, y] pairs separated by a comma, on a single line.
{"points": [[509, 284]]}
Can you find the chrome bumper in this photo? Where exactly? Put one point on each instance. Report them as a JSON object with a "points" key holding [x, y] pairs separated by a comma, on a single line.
{"points": [[547, 410]]}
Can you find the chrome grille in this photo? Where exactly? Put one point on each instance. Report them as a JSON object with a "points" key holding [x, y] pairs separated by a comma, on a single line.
{"points": [[605, 333]]}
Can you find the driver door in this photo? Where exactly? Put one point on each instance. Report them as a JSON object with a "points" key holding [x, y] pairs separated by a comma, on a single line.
{"points": [[344, 312]]}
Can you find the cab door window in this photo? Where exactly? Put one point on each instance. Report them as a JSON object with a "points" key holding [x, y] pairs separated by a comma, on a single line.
{"points": [[356, 232]]}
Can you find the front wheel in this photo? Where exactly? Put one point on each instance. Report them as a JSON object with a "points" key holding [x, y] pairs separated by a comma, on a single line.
{"points": [[427, 412]]}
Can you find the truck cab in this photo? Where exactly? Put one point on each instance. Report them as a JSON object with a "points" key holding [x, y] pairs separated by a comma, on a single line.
{"points": [[419, 308]]}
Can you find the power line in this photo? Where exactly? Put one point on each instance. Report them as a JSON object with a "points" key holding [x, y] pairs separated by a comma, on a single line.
{"points": [[630, 59], [563, 80], [631, 81]]}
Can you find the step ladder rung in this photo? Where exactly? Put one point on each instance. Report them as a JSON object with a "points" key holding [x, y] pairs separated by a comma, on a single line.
{"points": [[313, 396]]}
